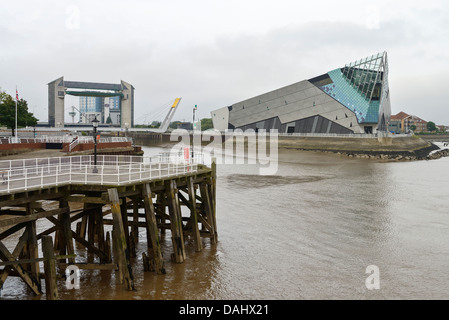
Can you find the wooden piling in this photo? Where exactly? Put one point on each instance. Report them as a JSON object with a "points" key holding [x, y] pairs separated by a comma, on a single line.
{"points": [[32, 247], [122, 258], [67, 230], [5, 255], [51, 288], [193, 215], [208, 208], [175, 223], [152, 230]]}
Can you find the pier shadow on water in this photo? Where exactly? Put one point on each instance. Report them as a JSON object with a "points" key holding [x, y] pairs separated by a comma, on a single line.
{"points": [[245, 181]]}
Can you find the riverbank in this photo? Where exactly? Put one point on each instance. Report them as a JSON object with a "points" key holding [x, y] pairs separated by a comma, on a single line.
{"points": [[398, 149]]}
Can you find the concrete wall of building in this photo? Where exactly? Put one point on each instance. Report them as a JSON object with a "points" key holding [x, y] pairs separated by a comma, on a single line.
{"points": [[56, 95], [220, 118], [127, 105], [291, 103]]}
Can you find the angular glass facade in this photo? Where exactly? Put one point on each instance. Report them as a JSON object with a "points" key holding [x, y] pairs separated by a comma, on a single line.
{"points": [[362, 87], [351, 99]]}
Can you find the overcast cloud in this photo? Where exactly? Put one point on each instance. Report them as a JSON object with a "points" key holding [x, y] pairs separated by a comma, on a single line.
{"points": [[214, 53]]}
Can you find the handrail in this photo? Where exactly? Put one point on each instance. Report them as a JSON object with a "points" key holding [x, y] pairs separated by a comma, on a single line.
{"points": [[65, 139], [111, 170]]}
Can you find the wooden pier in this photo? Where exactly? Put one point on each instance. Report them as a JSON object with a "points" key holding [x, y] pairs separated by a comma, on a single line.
{"points": [[78, 198]]}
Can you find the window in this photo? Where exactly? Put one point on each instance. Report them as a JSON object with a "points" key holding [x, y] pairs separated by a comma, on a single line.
{"points": [[369, 130]]}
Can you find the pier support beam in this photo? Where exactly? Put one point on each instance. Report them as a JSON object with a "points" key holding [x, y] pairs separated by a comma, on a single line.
{"points": [[193, 215], [121, 252], [152, 230], [204, 189], [51, 288], [175, 222]]}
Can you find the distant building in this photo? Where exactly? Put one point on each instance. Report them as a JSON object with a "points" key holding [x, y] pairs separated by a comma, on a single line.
{"points": [[351, 99], [184, 125], [403, 123], [121, 99], [420, 124], [90, 107], [100, 107], [114, 103], [396, 124]]}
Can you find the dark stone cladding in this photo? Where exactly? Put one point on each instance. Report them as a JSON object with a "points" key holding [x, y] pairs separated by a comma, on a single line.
{"points": [[314, 124]]}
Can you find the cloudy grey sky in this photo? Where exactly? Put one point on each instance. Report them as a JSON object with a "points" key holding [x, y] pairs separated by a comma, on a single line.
{"points": [[214, 53]]}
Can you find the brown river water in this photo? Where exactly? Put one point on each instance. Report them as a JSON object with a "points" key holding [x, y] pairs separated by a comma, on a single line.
{"points": [[309, 232]]}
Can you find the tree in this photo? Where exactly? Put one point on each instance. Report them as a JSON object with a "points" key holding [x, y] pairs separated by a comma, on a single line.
{"points": [[8, 113], [109, 120], [206, 123], [413, 127], [155, 124], [431, 126], [174, 124]]}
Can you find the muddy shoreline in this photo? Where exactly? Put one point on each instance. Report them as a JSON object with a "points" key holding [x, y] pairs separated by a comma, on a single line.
{"points": [[420, 154]]}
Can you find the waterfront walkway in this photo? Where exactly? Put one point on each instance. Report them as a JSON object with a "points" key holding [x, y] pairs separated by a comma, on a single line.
{"points": [[33, 174], [169, 191]]}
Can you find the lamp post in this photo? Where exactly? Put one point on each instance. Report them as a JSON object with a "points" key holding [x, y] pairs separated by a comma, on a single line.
{"points": [[95, 125], [193, 129]]}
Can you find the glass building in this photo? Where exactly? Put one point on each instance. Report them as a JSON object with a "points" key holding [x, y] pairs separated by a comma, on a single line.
{"points": [[89, 108], [351, 99]]}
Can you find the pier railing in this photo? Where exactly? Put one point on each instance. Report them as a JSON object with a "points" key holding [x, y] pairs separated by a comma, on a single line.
{"points": [[63, 139], [30, 174]]}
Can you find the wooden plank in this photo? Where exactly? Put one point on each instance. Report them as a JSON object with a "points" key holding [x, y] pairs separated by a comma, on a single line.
{"points": [[91, 266], [194, 216], [85, 199], [124, 214], [207, 205], [33, 283], [12, 230], [27, 199], [99, 228], [27, 261], [31, 217], [107, 248], [33, 249], [175, 223], [212, 192], [89, 246], [22, 241], [67, 229], [122, 259], [51, 288], [135, 224], [152, 229]]}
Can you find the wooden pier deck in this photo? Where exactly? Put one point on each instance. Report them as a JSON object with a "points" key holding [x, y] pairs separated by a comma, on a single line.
{"points": [[79, 199]]}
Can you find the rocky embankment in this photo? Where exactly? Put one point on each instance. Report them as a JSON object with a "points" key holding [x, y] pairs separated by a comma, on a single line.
{"points": [[430, 153], [389, 149]]}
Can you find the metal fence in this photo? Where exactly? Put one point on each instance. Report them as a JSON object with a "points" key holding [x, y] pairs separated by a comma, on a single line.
{"points": [[353, 135], [30, 174], [63, 139]]}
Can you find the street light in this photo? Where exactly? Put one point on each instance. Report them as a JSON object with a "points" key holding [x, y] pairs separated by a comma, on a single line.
{"points": [[193, 129], [95, 123]]}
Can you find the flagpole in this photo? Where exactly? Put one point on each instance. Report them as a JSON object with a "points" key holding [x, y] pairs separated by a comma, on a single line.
{"points": [[16, 129]]}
